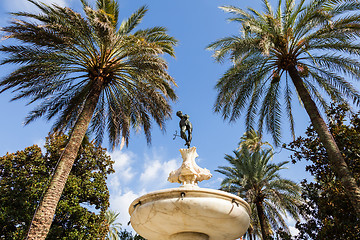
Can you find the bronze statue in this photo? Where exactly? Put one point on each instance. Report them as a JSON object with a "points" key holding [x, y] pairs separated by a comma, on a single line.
{"points": [[185, 125]]}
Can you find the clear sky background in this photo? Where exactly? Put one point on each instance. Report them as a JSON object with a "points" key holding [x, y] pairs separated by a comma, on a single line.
{"points": [[141, 168]]}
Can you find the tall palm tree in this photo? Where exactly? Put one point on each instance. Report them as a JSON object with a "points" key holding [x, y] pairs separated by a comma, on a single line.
{"points": [[253, 177], [311, 47], [91, 73], [114, 227]]}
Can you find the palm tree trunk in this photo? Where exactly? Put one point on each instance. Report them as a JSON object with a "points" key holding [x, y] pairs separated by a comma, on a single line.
{"points": [[262, 219], [250, 234], [336, 160], [44, 215]]}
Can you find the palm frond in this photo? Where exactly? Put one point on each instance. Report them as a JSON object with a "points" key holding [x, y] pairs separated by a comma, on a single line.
{"points": [[129, 24]]}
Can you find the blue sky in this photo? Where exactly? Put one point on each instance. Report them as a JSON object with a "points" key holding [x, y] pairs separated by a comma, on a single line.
{"points": [[141, 168]]}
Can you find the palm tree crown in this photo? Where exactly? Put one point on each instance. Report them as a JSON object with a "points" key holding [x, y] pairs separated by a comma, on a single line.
{"points": [[252, 141], [65, 57], [310, 39], [251, 175]]}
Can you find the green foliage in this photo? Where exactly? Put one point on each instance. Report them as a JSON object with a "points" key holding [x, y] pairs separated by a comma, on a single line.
{"points": [[125, 235], [329, 212], [252, 141], [252, 176], [25, 174], [316, 40]]}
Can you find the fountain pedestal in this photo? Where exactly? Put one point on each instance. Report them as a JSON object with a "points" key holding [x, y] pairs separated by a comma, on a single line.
{"points": [[189, 212], [189, 235]]}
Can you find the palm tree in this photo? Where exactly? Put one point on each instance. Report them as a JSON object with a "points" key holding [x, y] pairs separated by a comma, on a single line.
{"points": [[253, 177], [252, 141], [114, 227], [115, 232], [310, 46], [91, 73]]}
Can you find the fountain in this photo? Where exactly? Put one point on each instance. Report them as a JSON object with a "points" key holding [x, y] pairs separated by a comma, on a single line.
{"points": [[189, 212]]}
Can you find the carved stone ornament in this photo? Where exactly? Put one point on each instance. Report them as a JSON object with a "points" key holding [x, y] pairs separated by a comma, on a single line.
{"points": [[189, 173]]}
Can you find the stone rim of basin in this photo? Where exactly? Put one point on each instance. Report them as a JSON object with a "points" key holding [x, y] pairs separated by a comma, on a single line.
{"points": [[189, 192]]}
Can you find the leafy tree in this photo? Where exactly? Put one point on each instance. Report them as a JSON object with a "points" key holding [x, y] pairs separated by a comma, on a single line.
{"points": [[308, 48], [253, 177], [328, 210], [25, 174], [91, 73]]}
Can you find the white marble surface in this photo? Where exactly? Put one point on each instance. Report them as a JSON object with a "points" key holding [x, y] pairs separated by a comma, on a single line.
{"points": [[163, 214], [189, 172], [189, 235]]}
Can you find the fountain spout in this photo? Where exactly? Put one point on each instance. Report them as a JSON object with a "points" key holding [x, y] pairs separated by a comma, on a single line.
{"points": [[189, 174]]}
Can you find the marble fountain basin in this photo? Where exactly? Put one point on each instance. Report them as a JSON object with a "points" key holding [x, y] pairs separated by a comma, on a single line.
{"points": [[189, 212]]}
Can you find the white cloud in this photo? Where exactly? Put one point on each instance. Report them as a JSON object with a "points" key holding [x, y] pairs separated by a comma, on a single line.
{"points": [[113, 182], [127, 174], [134, 177], [291, 223], [24, 5], [41, 143], [123, 169], [122, 159], [293, 231], [170, 166], [157, 172], [120, 203]]}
